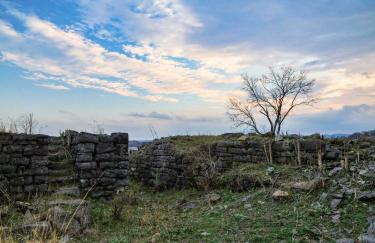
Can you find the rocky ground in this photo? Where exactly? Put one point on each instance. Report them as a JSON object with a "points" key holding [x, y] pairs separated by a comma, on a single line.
{"points": [[251, 203]]}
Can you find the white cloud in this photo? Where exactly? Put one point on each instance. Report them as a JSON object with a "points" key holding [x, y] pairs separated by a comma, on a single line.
{"points": [[161, 29], [53, 86]]}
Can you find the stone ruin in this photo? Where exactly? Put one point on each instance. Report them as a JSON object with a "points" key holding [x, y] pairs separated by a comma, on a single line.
{"points": [[38, 164], [160, 163]]}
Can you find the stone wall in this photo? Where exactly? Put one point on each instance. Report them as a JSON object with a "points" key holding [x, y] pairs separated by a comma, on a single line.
{"points": [[160, 163], [31, 164], [298, 152], [24, 163], [101, 162]]}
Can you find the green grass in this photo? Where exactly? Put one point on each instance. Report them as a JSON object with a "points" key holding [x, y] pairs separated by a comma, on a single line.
{"points": [[266, 220]]}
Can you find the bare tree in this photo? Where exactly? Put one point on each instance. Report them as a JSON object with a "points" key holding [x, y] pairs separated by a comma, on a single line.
{"points": [[273, 96], [28, 124]]}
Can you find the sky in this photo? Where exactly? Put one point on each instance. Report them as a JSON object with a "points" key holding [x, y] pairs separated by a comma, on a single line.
{"points": [[170, 66]]}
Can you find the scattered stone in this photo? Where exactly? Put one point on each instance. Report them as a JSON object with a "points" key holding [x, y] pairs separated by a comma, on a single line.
{"points": [[41, 227], [367, 196], [24, 206], [4, 211], [280, 195], [188, 205], [307, 185], [28, 218], [72, 202], [213, 198], [247, 198], [334, 171], [68, 191], [345, 241], [270, 170], [63, 221], [338, 195], [323, 197], [247, 206], [336, 217], [366, 239], [371, 229], [335, 203], [64, 239]]}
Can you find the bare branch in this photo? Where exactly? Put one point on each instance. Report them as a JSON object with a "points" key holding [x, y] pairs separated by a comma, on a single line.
{"points": [[273, 96]]}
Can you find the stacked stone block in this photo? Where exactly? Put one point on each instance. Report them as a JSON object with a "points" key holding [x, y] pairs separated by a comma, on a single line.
{"points": [[24, 164], [101, 162], [160, 165]]}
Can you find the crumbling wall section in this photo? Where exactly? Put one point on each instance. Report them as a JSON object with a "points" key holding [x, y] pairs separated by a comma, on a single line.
{"points": [[28, 163]]}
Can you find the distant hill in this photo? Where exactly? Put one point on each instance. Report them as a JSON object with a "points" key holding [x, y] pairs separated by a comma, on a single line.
{"points": [[337, 135], [363, 134], [138, 143]]}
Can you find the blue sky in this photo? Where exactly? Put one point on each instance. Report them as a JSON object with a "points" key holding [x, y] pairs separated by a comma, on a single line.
{"points": [[171, 65]]}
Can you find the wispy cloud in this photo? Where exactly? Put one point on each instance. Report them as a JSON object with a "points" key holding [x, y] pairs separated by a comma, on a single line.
{"points": [[53, 86], [153, 115]]}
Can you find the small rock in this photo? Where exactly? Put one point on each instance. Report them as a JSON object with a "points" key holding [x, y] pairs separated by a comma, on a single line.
{"points": [[336, 217], [371, 229], [62, 221], [4, 211], [345, 241], [247, 198], [155, 237], [367, 196], [213, 197], [338, 195], [41, 227], [72, 202], [24, 206], [280, 195], [188, 205], [64, 239], [270, 170], [366, 239], [334, 171], [68, 191], [247, 206], [28, 218], [335, 203], [362, 172], [306, 185], [323, 197]]}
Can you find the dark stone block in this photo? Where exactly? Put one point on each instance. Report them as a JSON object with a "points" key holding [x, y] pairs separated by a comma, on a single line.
{"points": [[105, 139], [122, 138], [107, 157], [13, 149], [86, 165], [37, 161], [17, 181], [40, 179], [20, 161], [105, 148], [4, 159], [7, 169], [85, 148], [105, 165], [84, 157], [84, 137]]}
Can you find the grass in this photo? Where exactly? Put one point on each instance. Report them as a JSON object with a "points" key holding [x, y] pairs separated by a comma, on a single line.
{"points": [[153, 218], [149, 216]]}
